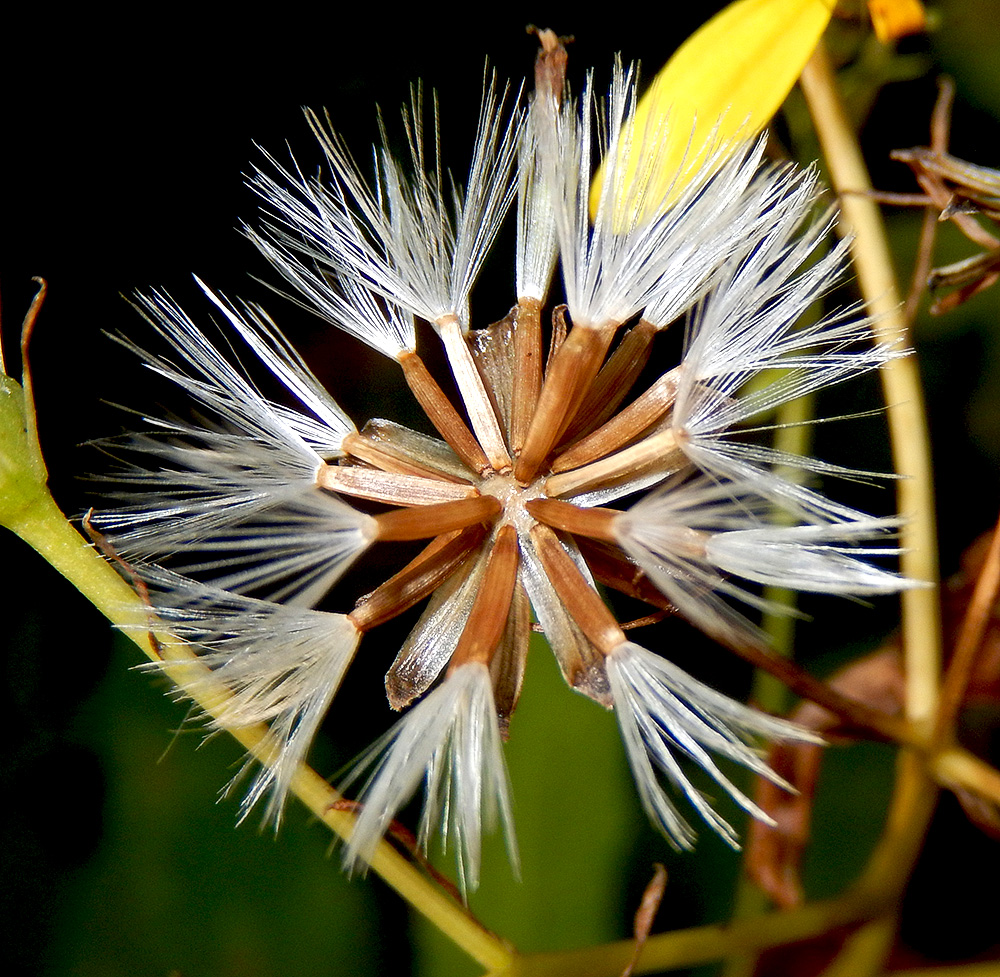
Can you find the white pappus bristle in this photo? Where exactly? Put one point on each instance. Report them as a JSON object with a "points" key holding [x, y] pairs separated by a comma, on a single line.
{"points": [[451, 741], [281, 665], [662, 711]]}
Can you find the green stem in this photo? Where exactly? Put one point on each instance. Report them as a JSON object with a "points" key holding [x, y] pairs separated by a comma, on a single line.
{"points": [[904, 397], [44, 528], [913, 799], [698, 945]]}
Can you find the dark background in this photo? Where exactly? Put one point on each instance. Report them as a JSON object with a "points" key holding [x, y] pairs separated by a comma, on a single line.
{"points": [[125, 134]]}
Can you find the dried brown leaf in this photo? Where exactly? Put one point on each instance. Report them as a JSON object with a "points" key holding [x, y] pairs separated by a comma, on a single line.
{"points": [[774, 853]]}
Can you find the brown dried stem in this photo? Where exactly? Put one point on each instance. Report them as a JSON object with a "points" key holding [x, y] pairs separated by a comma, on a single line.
{"points": [[527, 368], [570, 372], [421, 522], [488, 617], [441, 412], [969, 642], [421, 576]]}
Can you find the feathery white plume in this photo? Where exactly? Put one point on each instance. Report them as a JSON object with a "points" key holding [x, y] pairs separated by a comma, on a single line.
{"points": [[747, 325], [690, 533], [823, 559], [341, 299], [239, 488], [662, 711], [451, 741], [727, 204], [282, 666], [325, 430], [414, 239], [630, 260], [234, 400]]}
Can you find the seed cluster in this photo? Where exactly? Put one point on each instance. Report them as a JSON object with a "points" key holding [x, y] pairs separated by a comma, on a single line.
{"points": [[556, 473]]}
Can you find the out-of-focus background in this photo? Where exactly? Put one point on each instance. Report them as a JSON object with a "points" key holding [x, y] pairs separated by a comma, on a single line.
{"points": [[125, 137]]}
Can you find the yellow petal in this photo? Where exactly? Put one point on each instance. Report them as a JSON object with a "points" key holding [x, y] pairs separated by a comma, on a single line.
{"points": [[896, 18], [725, 82]]}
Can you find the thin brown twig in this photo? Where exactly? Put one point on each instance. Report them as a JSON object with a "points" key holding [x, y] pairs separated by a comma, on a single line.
{"points": [[970, 641], [646, 621], [940, 136], [406, 840], [935, 170], [27, 328], [649, 905], [941, 116], [106, 548], [922, 266], [858, 716]]}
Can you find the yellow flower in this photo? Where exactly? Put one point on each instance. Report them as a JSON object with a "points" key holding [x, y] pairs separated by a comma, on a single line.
{"points": [[722, 85], [896, 18]]}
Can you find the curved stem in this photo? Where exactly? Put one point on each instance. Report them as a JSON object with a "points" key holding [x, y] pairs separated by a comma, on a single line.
{"points": [[904, 398], [872, 900], [956, 767], [45, 529], [700, 944], [969, 642], [913, 799]]}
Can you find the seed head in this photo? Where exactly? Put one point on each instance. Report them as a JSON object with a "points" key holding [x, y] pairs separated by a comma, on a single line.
{"points": [[556, 474]]}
